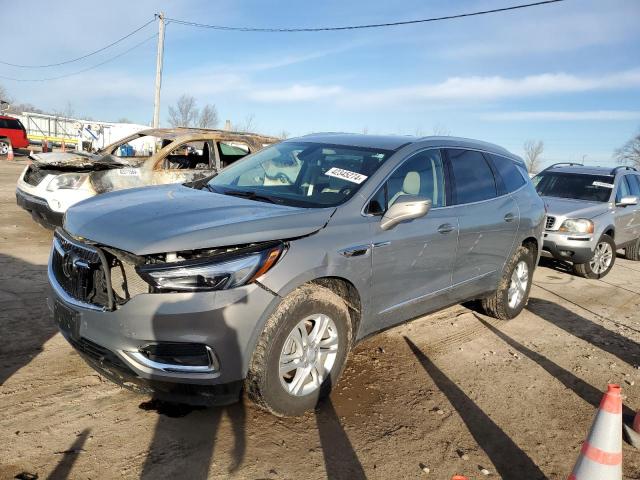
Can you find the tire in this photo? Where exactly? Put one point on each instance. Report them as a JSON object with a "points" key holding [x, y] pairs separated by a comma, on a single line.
{"points": [[264, 384], [499, 304], [591, 269], [632, 252], [4, 147]]}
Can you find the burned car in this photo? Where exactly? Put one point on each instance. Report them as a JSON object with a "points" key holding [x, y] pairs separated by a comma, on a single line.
{"points": [[57, 180]]}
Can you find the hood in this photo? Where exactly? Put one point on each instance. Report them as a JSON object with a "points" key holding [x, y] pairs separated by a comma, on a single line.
{"points": [[77, 161], [172, 218], [566, 207]]}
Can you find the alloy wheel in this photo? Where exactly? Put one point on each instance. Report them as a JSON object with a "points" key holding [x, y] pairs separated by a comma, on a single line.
{"points": [[4, 148], [308, 354], [602, 258], [519, 283]]}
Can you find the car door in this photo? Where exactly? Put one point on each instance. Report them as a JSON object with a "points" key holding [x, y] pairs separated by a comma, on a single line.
{"points": [[185, 162], [487, 222], [625, 217], [412, 262]]}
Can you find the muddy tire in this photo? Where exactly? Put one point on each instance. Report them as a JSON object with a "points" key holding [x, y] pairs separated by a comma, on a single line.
{"points": [[512, 293], [632, 252], [602, 262], [282, 345]]}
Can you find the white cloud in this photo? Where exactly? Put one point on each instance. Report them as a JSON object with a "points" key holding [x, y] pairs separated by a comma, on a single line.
{"points": [[295, 93], [558, 116]]}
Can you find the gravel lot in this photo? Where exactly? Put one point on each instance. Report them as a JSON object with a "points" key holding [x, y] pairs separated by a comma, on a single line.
{"points": [[454, 392]]}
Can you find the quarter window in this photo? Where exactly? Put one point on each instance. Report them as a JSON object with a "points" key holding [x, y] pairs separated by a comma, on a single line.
{"points": [[509, 172], [422, 175], [472, 175]]}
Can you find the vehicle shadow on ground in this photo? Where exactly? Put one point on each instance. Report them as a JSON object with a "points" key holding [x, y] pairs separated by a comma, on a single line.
{"points": [[184, 440], [25, 322], [584, 390], [509, 460], [618, 345]]}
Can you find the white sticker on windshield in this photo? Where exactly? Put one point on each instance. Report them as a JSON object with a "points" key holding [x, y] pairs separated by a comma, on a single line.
{"points": [[347, 175], [602, 184], [128, 172]]}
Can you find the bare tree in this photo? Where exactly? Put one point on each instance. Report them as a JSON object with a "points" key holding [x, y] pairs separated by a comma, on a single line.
{"points": [[532, 154], [247, 125], [365, 130], [185, 113], [124, 120], [629, 153], [283, 135], [208, 117], [441, 130]]}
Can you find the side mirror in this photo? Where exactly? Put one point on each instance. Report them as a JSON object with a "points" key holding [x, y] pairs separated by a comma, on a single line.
{"points": [[627, 201], [405, 208]]}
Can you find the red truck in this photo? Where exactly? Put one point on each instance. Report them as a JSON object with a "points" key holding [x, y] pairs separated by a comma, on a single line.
{"points": [[13, 133]]}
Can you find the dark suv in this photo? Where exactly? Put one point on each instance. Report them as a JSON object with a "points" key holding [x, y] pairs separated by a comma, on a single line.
{"points": [[13, 133]]}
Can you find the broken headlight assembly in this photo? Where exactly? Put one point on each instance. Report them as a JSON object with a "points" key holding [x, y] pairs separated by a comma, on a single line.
{"points": [[70, 181], [579, 225], [219, 272]]}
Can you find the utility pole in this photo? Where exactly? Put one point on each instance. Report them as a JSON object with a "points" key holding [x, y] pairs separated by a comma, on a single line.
{"points": [[156, 102]]}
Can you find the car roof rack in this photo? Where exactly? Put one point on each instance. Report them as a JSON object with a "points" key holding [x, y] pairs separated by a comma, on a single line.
{"points": [[623, 167], [559, 164]]}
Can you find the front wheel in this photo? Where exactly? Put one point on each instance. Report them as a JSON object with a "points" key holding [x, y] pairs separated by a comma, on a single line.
{"points": [[604, 256], [512, 293], [301, 352]]}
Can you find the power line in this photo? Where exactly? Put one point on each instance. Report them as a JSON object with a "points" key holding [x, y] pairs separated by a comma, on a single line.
{"points": [[84, 69], [356, 27], [83, 56]]}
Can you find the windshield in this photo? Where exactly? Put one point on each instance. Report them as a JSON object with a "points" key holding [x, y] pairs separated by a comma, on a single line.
{"points": [[592, 188], [300, 174]]}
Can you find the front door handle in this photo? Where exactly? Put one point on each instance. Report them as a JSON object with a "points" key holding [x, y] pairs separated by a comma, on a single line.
{"points": [[446, 228], [509, 217]]}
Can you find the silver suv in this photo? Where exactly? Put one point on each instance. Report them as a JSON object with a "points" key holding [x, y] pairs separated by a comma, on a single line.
{"points": [[591, 213], [266, 275]]}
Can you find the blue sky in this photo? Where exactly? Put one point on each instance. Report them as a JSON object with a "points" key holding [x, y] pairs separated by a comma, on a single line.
{"points": [[566, 73]]}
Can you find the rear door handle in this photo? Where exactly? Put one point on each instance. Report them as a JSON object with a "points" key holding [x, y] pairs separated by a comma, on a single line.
{"points": [[446, 228], [357, 251], [509, 217]]}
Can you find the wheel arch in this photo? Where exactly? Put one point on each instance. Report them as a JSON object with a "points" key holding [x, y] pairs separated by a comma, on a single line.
{"points": [[532, 244], [349, 293]]}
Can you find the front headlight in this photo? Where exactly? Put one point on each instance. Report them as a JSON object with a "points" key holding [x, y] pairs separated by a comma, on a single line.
{"points": [[205, 274], [70, 181], [578, 225]]}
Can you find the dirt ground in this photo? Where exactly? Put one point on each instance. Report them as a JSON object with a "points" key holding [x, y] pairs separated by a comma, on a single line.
{"points": [[454, 392]]}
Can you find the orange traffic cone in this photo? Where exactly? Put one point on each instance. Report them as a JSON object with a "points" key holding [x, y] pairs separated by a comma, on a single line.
{"points": [[64, 149], [632, 430], [459, 477], [45, 146], [601, 454], [10, 153]]}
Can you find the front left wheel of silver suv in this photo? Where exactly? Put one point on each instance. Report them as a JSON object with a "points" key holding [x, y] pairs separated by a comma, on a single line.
{"points": [[604, 257]]}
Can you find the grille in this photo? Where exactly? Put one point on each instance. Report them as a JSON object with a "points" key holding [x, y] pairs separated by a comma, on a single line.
{"points": [[33, 176], [551, 221], [79, 270]]}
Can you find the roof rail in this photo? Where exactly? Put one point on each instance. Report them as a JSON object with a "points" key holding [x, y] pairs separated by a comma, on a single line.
{"points": [[570, 164], [623, 167]]}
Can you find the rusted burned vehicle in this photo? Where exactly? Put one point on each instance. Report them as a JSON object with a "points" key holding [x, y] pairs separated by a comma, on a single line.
{"points": [[57, 180]]}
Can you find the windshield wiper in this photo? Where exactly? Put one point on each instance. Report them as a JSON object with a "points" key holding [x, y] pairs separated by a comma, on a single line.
{"points": [[250, 195]]}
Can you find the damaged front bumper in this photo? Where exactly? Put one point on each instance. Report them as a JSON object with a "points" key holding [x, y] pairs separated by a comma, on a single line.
{"points": [[225, 323], [39, 209]]}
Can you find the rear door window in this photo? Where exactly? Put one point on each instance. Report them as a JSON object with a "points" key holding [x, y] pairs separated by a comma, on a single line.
{"points": [[472, 176], [189, 156], [511, 175]]}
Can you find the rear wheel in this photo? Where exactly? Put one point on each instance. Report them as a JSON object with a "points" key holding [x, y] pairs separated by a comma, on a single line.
{"points": [[604, 257], [632, 252], [4, 147], [301, 352], [512, 293]]}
